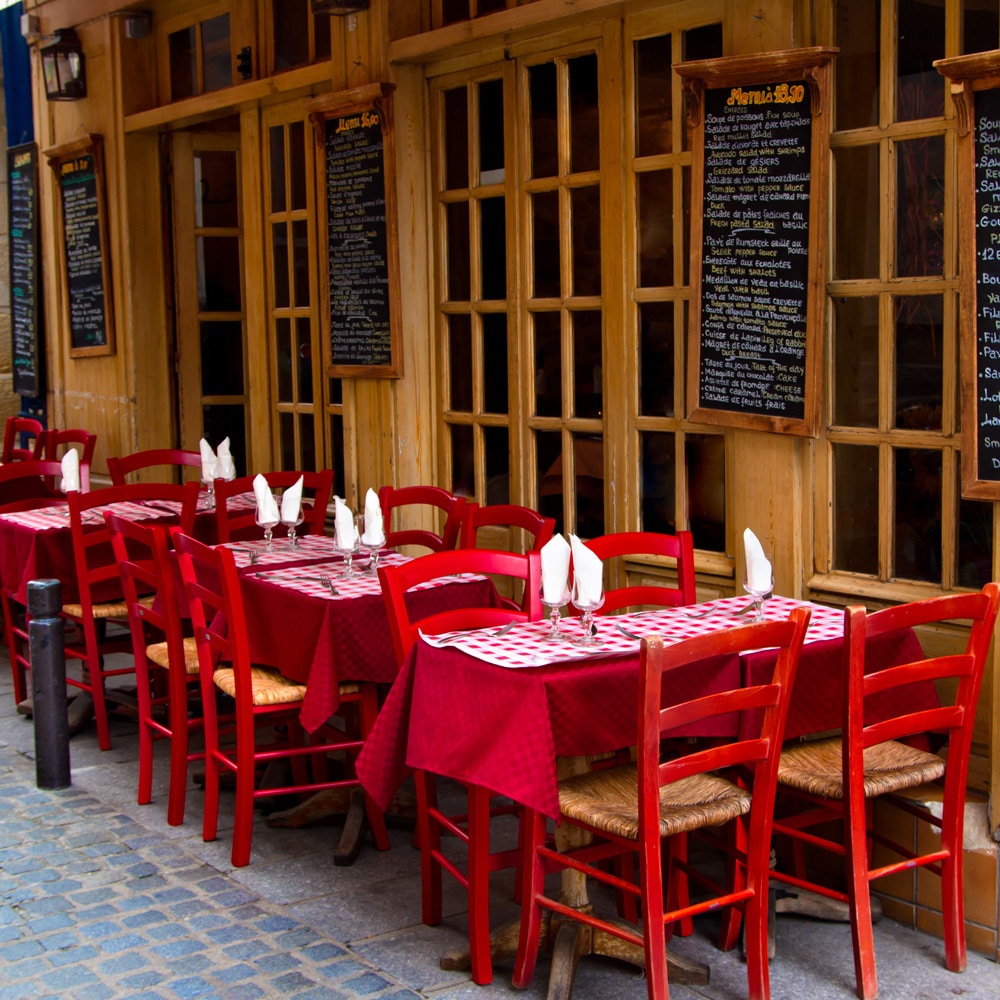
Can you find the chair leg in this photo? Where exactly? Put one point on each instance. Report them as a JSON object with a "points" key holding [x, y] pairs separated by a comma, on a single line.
{"points": [[14, 647], [479, 885], [180, 735], [533, 881], [859, 901], [736, 873], [368, 712], [654, 936], [678, 883], [429, 834]]}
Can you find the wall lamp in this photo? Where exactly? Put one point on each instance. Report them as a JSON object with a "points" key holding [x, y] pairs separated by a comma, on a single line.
{"points": [[63, 66]]}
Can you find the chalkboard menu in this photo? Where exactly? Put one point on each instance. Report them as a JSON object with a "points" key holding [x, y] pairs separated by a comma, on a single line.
{"points": [[79, 175], [22, 204], [756, 320], [360, 229]]}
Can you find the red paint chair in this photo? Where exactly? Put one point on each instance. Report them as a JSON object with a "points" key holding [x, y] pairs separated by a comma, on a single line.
{"points": [[121, 467], [634, 808], [261, 699], [837, 779], [238, 523], [537, 529], [473, 828], [679, 547], [15, 447], [166, 661], [450, 506]]}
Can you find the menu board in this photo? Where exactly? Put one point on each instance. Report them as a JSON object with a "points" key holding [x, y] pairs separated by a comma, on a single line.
{"points": [[360, 229], [22, 204], [758, 201]]}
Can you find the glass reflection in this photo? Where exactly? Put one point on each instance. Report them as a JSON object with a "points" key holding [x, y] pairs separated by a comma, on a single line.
{"points": [[216, 57], [297, 153], [183, 54], [588, 372], [215, 189], [655, 207], [584, 118], [303, 336], [855, 350], [283, 355], [495, 396], [544, 133], [276, 143], [545, 232], [659, 482], [493, 240], [463, 465], [221, 357], [974, 548], [654, 110], [548, 473], [585, 206], [588, 469], [919, 87], [705, 457], [459, 275], [856, 212], [460, 362], [920, 206], [219, 273], [917, 549], [279, 267], [496, 444], [548, 365], [919, 362], [855, 508], [491, 165], [656, 358], [456, 139]]}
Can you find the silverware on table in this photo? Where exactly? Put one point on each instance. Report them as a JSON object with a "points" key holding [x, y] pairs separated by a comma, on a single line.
{"points": [[625, 632], [328, 583], [504, 629]]}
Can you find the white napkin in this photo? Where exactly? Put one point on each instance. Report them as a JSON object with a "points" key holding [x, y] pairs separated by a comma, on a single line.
{"points": [[226, 469], [344, 532], [374, 533], [555, 569], [209, 462], [267, 508], [291, 501], [588, 573], [759, 577], [70, 463]]}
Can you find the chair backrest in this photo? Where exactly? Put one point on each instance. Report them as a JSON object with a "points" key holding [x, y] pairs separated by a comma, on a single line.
{"points": [[537, 527], [396, 580], [30, 479], [121, 466], [392, 497], [14, 447], [755, 750], [239, 523], [962, 672], [648, 543], [55, 444]]}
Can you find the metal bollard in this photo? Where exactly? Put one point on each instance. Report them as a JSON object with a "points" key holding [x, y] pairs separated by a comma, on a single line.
{"points": [[48, 679]]}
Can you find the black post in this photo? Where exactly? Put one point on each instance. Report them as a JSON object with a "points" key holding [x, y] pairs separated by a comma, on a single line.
{"points": [[48, 678]]}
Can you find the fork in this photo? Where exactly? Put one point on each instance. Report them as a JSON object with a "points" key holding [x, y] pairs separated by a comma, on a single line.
{"points": [[625, 632], [328, 583]]}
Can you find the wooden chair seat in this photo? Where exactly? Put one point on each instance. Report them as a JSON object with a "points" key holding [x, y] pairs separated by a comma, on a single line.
{"points": [[268, 686], [609, 800], [110, 609], [818, 768], [159, 654]]}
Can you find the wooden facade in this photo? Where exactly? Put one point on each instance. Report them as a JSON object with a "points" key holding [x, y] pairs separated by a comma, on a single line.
{"points": [[541, 163]]}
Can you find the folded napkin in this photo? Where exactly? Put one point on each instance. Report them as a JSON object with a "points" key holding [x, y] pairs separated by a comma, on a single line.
{"points": [[588, 574], [759, 576], [209, 462], [267, 507], [291, 501], [226, 468], [70, 463], [345, 534], [374, 533], [555, 570]]}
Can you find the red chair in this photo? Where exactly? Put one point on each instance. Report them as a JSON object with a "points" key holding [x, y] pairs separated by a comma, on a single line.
{"points": [[55, 443], [120, 467], [14, 445], [648, 543], [166, 661], [633, 808], [99, 618], [237, 523], [262, 700], [537, 528], [473, 828], [393, 497], [837, 779]]}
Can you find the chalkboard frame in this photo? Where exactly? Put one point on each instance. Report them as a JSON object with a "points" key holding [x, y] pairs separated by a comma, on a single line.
{"points": [[969, 75], [356, 103], [61, 159], [812, 65], [27, 378]]}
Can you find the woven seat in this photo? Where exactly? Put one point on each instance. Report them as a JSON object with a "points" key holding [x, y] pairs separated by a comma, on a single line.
{"points": [[818, 768], [268, 687], [108, 609], [159, 653]]}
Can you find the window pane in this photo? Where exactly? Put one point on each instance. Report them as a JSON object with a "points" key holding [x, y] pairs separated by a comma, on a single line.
{"points": [[456, 139], [279, 250], [493, 239], [586, 209], [321, 32], [655, 200], [307, 442], [216, 63], [584, 125], [491, 165], [463, 478], [656, 358], [855, 509], [286, 429], [654, 109], [458, 252], [221, 358], [588, 461], [290, 20], [920, 206], [215, 190], [705, 458], [857, 71], [304, 339], [699, 43], [917, 553], [544, 151], [495, 398], [545, 218], [337, 447], [920, 88], [460, 362], [587, 370], [975, 542], [855, 360], [227, 421], [219, 273], [548, 365], [276, 136], [183, 46], [548, 453], [980, 27], [857, 201], [659, 503], [919, 374], [453, 11], [300, 261], [283, 359], [297, 164], [496, 441]]}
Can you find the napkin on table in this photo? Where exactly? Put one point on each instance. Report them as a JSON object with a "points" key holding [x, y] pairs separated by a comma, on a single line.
{"points": [[759, 578], [70, 464], [209, 462], [267, 507], [374, 533], [226, 468], [555, 569], [344, 532], [291, 501], [588, 573]]}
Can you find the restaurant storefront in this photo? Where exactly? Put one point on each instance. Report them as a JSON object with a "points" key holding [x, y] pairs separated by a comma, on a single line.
{"points": [[542, 189]]}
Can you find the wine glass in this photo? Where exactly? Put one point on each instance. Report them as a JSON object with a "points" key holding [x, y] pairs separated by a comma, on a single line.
{"points": [[347, 547], [555, 607], [587, 604], [268, 523], [758, 594], [291, 525], [372, 542], [209, 482]]}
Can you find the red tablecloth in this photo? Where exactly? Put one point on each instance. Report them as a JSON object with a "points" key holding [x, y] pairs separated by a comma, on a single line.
{"points": [[453, 714]]}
